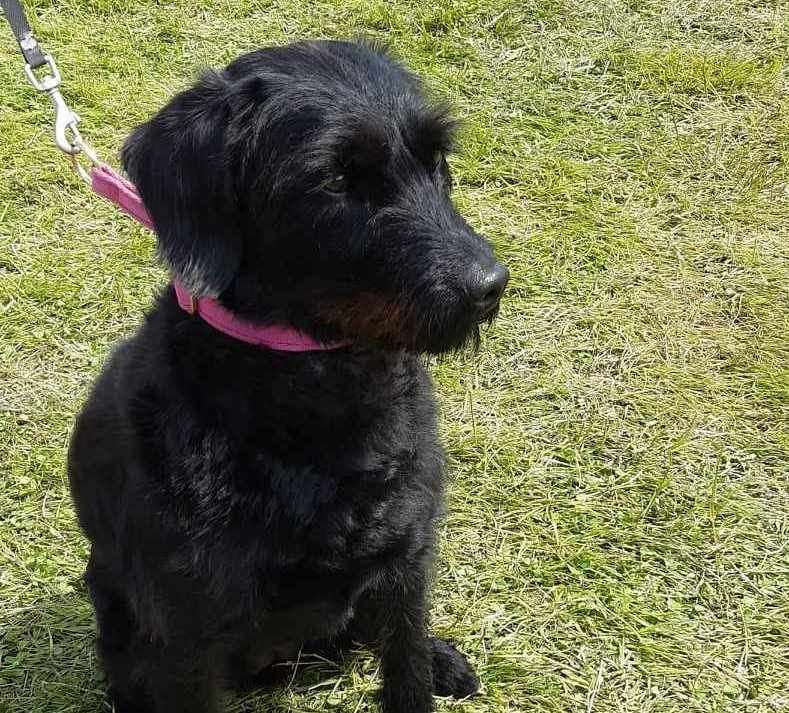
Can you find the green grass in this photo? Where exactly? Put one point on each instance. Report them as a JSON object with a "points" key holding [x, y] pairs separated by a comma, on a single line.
{"points": [[619, 524]]}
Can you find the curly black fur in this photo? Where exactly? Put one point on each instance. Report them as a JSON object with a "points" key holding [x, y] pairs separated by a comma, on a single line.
{"points": [[245, 504]]}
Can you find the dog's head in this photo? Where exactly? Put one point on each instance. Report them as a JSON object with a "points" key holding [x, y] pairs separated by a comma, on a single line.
{"points": [[309, 184]]}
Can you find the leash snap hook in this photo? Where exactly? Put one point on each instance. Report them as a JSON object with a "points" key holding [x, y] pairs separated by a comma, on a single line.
{"points": [[47, 80], [67, 136], [65, 118]]}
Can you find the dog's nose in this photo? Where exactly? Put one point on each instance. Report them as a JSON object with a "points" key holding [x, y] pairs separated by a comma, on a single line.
{"points": [[487, 287]]}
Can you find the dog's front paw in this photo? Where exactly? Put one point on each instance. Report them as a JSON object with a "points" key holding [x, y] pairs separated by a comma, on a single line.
{"points": [[452, 673]]}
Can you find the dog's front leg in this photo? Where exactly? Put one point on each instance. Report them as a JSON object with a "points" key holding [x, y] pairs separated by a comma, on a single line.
{"points": [[406, 653], [176, 686]]}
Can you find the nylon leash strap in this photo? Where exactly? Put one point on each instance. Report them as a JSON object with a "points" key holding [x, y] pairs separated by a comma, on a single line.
{"points": [[15, 14]]}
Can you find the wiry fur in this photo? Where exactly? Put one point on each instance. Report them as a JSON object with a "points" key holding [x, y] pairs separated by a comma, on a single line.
{"points": [[244, 504]]}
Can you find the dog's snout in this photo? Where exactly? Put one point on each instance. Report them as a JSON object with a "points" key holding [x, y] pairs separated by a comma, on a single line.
{"points": [[486, 285]]}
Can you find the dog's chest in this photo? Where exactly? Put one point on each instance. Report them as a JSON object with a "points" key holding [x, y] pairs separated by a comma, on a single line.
{"points": [[326, 497], [310, 536], [349, 514]]}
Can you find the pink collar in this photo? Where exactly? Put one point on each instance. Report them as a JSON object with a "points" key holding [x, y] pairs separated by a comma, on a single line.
{"points": [[272, 336], [108, 184]]}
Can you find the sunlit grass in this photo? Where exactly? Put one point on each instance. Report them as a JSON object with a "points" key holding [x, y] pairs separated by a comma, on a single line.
{"points": [[617, 537]]}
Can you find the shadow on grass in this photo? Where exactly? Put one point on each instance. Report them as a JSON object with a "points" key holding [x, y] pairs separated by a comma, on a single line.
{"points": [[48, 664]]}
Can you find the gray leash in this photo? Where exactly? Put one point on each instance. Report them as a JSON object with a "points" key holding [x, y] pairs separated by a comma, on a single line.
{"points": [[15, 14]]}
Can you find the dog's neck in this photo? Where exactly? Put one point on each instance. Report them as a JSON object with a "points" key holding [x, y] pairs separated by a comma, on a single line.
{"points": [[278, 337], [277, 397], [226, 371]]}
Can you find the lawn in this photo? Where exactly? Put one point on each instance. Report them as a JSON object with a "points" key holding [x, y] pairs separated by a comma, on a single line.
{"points": [[618, 537]]}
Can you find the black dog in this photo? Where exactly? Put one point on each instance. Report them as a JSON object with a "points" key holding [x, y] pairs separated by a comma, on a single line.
{"points": [[244, 503]]}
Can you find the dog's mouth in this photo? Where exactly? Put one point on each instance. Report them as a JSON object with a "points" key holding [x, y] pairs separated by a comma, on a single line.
{"points": [[393, 325]]}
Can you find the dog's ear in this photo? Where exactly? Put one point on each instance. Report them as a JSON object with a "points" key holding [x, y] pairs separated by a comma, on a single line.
{"points": [[179, 163]]}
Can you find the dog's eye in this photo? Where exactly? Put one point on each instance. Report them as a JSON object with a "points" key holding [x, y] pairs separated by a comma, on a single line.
{"points": [[336, 184]]}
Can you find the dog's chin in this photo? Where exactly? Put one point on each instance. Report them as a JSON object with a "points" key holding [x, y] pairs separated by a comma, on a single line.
{"points": [[449, 339], [458, 337]]}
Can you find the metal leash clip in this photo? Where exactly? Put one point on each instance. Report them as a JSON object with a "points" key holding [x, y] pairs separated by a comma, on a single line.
{"points": [[66, 120], [67, 136]]}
